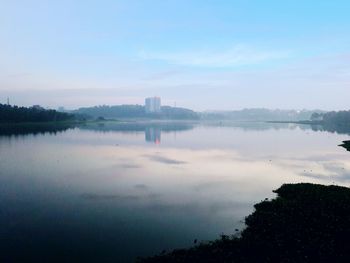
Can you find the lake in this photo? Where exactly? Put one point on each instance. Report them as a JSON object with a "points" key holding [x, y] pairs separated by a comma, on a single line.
{"points": [[109, 192]]}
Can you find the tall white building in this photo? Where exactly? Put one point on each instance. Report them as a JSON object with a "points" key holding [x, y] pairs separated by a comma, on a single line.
{"points": [[152, 105]]}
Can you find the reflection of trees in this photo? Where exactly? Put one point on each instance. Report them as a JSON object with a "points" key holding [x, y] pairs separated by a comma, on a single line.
{"points": [[264, 126], [136, 127], [179, 126], [26, 129], [252, 125], [152, 130], [334, 128]]}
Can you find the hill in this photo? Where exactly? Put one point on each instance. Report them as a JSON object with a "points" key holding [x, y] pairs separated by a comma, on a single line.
{"points": [[137, 111]]}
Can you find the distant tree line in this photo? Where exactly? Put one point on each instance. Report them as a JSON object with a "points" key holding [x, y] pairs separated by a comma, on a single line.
{"points": [[338, 118], [178, 113], [137, 111], [259, 114], [15, 114]]}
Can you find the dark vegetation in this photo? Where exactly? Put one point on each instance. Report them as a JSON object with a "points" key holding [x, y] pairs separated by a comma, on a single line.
{"points": [[333, 121], [33, 128], [305, 223], [341, 118], [15, 114], [333, 118], [138, 111], [346, 145]]}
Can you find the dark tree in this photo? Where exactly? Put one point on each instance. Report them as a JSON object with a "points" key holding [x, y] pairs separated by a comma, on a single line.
{"points": [[15, 114]]}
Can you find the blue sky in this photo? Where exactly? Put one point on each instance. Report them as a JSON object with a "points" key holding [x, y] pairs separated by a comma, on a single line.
{"points": [[199, 54]]}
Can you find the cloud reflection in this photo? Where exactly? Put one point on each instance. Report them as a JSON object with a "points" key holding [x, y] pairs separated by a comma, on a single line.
{"points": [[164, 160]]}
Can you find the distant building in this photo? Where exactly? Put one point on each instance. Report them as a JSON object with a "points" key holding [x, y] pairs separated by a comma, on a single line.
{"points": [[152, 105]]}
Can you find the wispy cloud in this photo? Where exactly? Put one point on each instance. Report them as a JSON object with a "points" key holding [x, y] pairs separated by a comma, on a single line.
{"points": [[238, 55]]}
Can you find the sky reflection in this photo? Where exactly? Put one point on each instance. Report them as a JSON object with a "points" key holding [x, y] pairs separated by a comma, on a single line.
{"points": [[194, 185]]}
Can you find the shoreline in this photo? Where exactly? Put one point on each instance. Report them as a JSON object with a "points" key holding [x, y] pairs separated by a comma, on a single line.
{"points": [[304, 223]]}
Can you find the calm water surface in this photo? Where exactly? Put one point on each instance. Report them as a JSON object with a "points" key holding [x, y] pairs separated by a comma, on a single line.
{"points": [[110, 192]]}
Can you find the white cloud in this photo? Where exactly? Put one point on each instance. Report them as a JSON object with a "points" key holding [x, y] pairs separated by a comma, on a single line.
{"points": [[238, 55]]}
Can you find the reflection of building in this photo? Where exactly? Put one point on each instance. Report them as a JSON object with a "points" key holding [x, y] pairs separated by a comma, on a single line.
{"points": [[152, 105], [152, 134]]}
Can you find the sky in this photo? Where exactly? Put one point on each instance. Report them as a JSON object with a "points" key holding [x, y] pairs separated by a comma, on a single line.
{"points": [[204, 55]]}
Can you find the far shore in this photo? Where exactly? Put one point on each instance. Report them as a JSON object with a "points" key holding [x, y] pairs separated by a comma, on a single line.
{"points": [[307, 122]]}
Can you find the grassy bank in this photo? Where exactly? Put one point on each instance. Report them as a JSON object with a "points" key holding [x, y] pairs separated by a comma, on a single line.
{"points": [[304, 223]]}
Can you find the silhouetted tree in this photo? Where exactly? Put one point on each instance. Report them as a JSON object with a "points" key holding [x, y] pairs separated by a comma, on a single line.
{"points": [[15, 114]]}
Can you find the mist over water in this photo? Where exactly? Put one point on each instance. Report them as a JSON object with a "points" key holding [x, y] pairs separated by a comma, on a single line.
{"points": [[114, 192]]}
